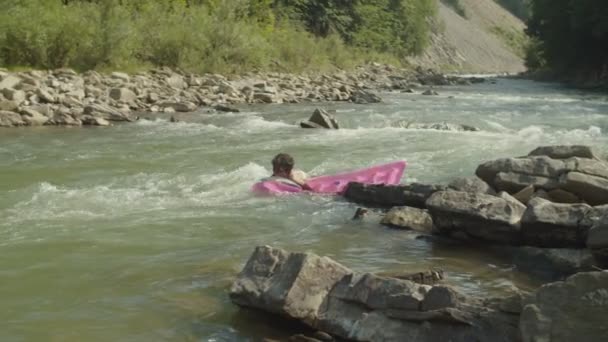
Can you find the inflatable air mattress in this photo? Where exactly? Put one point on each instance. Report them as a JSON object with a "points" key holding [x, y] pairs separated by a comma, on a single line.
{"points": [[389, 174]]}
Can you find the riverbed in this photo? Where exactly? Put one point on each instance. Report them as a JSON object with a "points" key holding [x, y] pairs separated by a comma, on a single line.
{"points": [[135, 232]]}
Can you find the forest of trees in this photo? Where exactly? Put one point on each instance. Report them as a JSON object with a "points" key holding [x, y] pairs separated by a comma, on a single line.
{"points": [[569, 36], [210, 35]]}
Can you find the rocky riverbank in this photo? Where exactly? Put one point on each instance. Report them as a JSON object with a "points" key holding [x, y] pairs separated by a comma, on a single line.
{"points": [[547, 211], [66, 98]]}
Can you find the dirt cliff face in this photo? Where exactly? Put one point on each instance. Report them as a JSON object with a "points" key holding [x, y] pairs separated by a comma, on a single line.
{"points": [[479, 42]]}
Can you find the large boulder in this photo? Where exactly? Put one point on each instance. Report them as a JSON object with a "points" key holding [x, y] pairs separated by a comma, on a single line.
{"points": [[290, 284], [388, 196], [565, 152], [409, 218], [364, 307], [477, 215], [571, 310], [320, 119], [532, 166], [554, 225], [591, 189]]}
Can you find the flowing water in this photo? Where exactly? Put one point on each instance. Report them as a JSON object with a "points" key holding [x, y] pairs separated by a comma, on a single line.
{"points": [[135, 232]]}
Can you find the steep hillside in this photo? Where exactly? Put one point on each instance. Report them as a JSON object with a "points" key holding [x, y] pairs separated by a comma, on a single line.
{"points": [[485, 40]]}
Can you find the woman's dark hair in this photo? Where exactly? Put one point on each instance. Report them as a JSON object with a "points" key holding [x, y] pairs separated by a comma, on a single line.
{"points": [[282, 162]]}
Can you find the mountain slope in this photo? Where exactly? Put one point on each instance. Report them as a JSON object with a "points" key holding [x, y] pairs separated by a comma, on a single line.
{"points": [[477, 43]]}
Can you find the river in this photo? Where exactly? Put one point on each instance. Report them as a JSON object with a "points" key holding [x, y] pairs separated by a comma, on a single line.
{"points": [[135, 232]]}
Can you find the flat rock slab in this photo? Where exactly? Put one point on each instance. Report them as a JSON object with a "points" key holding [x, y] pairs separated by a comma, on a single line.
{"points": [[480, 216]]}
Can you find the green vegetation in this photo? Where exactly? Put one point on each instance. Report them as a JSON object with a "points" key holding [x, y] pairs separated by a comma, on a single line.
{"points": [[211, 35], [569, 36], [456, 6], [516, 40]]}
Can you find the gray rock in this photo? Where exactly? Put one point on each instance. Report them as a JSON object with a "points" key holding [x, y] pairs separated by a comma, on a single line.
{"points": [[33, 118], [565, 152], [591, 167], [14, 95], [552, 263], [430, 92], [591, 189], [294, 285], [554, 225], [176, 81], [388, 196], [45, 96], [264, 97], [8, 105], [516, 182], [571, 310], [480, 216], [120, 76], [122, 95], [90, 120], [361, 96], [597, 240], [533, 166], [525, 194], [321, 118], [64, 119], [563, 196], [107, 113], [184, 106], [10, 119], [364, 307], [227, 109], [409, 218], [471, 184], [9, 82]]}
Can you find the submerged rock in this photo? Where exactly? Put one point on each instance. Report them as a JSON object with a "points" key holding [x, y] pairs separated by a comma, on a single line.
{"points": [[361, 96], [409, 218], [439, 126], [363, 307], [552, 263]]}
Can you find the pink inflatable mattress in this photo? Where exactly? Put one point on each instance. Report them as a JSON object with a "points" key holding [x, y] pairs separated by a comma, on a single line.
{"points": [[389, 174]]}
